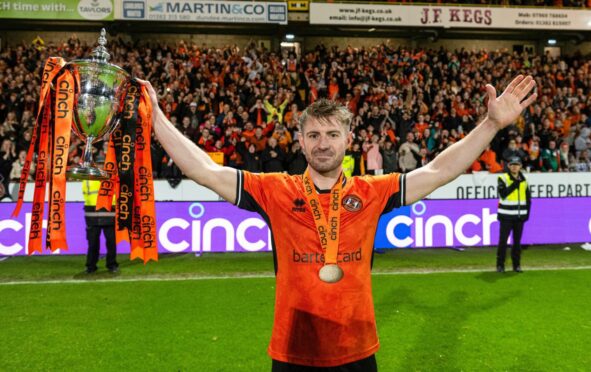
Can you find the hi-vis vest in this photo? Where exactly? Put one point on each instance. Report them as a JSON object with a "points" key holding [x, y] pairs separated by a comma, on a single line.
{"points": [[515, 204], [90, 190], [348, 166]]}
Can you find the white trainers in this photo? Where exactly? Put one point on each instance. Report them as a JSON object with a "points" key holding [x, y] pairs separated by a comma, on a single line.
{"points": [[586, 246]]}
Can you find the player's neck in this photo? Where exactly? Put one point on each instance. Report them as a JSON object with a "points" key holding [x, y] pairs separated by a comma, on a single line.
{"points": [[325, 180]]}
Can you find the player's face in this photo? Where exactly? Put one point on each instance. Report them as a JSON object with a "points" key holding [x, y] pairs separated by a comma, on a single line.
{"points": [[324, 143]]}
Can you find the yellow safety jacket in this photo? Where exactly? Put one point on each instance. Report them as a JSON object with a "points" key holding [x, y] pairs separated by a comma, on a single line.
{"points": [[348, 165], [90, 190], [516, 204]]}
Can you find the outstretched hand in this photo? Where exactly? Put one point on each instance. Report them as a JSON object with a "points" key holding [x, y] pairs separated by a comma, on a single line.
{"points": [[503, 110]]}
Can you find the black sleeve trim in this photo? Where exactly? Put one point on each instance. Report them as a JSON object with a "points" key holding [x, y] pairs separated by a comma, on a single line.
{"points": [[239, 187], [402, 188], [397, 199]]}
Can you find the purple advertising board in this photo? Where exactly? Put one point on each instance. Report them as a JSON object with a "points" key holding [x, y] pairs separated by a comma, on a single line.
{"points": [[196, 227]]}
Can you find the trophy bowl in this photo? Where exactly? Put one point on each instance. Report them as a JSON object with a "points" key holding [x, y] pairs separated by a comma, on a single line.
{"points": [[99, 89]]}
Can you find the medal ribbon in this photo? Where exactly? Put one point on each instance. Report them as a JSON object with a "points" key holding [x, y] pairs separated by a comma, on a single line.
{"points": [[328, 230]]}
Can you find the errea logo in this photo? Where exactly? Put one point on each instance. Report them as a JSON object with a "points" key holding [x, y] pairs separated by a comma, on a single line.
{"points": [[299, 205]]}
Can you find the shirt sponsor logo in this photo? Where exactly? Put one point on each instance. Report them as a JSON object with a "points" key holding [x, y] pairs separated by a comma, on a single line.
{"points": [[318, 258]]}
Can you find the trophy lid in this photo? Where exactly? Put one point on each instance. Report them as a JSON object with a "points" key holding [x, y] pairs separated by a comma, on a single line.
{"points": [[100, 54]]}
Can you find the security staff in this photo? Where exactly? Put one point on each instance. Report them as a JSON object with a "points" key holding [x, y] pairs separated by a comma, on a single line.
{"points": [[514, 208], [95, 222]]}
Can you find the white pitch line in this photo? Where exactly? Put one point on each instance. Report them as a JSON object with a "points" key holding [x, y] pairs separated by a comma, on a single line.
{"points": [[265, 276]]}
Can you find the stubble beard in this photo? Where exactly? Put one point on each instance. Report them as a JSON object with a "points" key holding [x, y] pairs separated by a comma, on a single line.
{"points": [[325, 166]]}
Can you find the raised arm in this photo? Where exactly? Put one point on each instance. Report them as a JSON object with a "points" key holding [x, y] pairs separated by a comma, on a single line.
{"points": [[190, 159], [452, 162]]}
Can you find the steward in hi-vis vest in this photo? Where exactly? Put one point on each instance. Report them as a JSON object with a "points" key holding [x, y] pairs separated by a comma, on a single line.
{"points": [[95, 222], [514, 209]]}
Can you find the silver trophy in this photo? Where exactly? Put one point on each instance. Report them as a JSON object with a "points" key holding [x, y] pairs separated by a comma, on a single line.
{"points": [[100, 87]]}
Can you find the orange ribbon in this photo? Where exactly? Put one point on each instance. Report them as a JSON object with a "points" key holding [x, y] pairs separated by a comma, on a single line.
{"points": [[64, 107], [52, 67]]}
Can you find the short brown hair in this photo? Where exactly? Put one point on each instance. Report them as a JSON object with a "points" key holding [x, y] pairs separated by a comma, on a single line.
{"points": [[324, 109]]}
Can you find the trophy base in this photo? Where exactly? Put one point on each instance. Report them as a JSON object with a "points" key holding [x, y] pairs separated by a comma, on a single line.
{"points": [[86, 173]]}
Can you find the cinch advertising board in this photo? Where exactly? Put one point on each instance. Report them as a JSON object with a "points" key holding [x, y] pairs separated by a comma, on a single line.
{"points": [[196, 227]]}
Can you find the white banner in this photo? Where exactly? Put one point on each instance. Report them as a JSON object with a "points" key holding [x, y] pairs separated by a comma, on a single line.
{"points": [[185, 191], [479, 185], [202, 11], [483, 185], [449, 16]]}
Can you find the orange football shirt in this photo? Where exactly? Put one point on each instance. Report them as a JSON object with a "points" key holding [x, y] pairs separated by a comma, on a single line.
{"points": [[316, 323]]}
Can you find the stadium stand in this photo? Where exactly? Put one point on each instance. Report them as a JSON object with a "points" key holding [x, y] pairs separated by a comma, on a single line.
{"points": [[242, 103]]}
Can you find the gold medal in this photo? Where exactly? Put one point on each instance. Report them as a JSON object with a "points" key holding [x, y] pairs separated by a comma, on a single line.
{"points": [[330, 273]]}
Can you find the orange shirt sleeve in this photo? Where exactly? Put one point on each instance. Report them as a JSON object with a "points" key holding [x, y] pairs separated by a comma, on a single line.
{"points": [[253, 193], [388, 189]]}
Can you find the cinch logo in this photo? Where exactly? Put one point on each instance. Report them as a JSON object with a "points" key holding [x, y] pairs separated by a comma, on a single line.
{"points": [[36, 221], [63, 107], [50, 66], [57, 201], [299, 205], [196, 235], [124, 201], [426, 230], [143, 181], [130, 99], [41, 170], [126, 146], [140, 141], [147, 230], [60, 156]]}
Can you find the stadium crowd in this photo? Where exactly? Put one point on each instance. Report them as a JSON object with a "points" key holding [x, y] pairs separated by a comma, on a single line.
{"points": [[243, 102]]}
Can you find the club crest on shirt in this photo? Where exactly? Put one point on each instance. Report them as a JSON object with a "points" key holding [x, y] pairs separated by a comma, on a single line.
{"points": [[352, 203]]}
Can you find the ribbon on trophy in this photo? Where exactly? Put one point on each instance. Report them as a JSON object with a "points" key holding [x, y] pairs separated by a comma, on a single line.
{"points": [[129, 153], [128, 166]]}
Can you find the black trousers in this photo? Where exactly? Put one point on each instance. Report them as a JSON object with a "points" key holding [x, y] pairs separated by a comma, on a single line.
{"points": [[93, 234], [506, 228], [364, 365]]}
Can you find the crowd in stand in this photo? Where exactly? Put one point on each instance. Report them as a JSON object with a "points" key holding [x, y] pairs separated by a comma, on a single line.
{"points": [[245, 101]]}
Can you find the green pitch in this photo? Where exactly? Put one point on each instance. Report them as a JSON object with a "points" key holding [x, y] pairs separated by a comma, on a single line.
{"points": [[174, 316]]}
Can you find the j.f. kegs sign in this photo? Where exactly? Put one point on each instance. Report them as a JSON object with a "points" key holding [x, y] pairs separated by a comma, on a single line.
{"points": [[448, 16]]}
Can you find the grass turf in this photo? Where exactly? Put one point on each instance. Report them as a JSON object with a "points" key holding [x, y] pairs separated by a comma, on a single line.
{"points": [[442, 321]]}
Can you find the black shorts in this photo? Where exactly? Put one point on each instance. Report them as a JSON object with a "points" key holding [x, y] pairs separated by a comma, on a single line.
{"points": [[364, 365]]}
